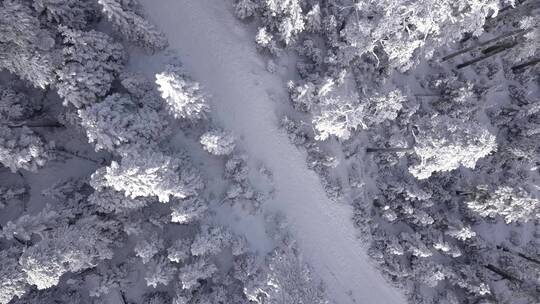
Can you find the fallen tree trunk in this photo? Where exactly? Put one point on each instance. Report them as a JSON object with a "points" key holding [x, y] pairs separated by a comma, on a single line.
{"points": [[465, 50], [518, 68], [388, 150], [499, 50], [501, 272]]}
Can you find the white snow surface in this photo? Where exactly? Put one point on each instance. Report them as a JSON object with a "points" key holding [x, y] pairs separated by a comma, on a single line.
{"points": [[218, 51]]}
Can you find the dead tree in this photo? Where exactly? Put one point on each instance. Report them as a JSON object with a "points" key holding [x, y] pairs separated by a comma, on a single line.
{"points": [[38, 125], [502, 273], [520, 67], [388, 150], [503, 36], [519, 254], [496, 51], [64, 151]]}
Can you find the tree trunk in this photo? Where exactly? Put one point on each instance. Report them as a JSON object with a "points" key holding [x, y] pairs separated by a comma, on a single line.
{"points": [[518, 68], [465, 50], [38, 125], [123, 296], [533, 260], [27, 189], [427, 95], [498, 50], [62, 150], [494, 48], [502, 273], [22, 242], [528, 258], [464, 193], [388, 150]]}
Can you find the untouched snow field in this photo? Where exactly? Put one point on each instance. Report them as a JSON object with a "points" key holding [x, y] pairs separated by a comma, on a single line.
{"points": [[218, 51]]}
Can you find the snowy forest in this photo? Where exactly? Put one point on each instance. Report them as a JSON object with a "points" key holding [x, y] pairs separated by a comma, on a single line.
{"points": [[269, 151]]}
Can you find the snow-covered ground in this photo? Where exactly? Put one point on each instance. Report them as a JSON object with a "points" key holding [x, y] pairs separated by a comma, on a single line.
{"points": [[218, 51]]}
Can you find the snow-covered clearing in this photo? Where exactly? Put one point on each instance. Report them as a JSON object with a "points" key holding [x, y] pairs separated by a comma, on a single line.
{"points": [[218, 52]]}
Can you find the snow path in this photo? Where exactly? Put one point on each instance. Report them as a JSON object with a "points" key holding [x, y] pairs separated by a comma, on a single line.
{"points": [[219, 53]]}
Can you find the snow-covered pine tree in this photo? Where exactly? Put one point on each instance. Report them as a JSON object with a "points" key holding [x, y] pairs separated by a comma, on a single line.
{"points": [[444, 144], [118, 124], [179, 251], [210, 241], [245, 8], [72, 13], [159, 271], [218, 142], [409, 30], [150, 173], [285, 17], [8, 194], [183, 96], [91, 61], [148, 246], [16, 106], [133, 26], [513, 204], [338, 116], [68, 249], [25, 48], [23, 228], [12, 278], [287, 280], [188, 210], [110, 201], [21, 148], [192, 274]]}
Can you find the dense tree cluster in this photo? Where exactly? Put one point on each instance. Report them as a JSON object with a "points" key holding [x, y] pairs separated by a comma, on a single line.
{"points": [[435, 101], [439, 101], [83, 226]]}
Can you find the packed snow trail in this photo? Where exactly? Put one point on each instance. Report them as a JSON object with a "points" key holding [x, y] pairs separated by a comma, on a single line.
{"points": [[219, 52]]}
